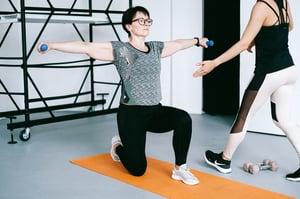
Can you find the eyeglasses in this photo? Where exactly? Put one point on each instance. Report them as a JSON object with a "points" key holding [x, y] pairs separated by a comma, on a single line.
{"points": [[143, 21]]}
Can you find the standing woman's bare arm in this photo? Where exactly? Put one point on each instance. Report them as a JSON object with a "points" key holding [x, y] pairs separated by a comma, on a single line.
{"points": [[99, 51], [257, 18], [290, 19], [254, 25]]}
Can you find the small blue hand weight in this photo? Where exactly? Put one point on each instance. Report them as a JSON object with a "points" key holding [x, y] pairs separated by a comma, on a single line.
{"points": [[44, 47], [210, 43]]}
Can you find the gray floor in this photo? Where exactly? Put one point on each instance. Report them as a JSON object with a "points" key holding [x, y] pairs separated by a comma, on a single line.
{"points": [[40, 167]]}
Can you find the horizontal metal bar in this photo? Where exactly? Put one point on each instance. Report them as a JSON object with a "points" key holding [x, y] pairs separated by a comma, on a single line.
{"points": [[107, 83], [8, 58], [31, 123], [72, 10], [57, 107], [58, 97], [11, 93]]}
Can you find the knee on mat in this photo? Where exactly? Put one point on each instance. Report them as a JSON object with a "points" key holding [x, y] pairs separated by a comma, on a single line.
{"points": [[137, 171], [137, 166]]}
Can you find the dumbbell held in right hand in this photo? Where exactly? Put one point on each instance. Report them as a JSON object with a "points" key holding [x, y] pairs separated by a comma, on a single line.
{"points": [[44, 47]]}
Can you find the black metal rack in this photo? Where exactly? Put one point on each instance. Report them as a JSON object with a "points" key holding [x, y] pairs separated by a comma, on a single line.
{"points": [[46, 15]]}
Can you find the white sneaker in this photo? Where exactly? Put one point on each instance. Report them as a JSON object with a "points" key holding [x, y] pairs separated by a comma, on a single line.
{"points": [[115, 141], [184, 175]]}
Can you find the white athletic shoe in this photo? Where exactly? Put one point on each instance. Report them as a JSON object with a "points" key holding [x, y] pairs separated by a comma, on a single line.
{"points": [[115, 141], [184, 175]]}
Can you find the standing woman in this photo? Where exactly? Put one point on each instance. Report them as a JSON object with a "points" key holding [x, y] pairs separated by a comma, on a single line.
{"points": [[139, 64], [274, 78]]}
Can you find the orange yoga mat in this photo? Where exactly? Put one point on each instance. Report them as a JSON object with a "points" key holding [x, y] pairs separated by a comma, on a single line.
{"points": [[157, 179]]}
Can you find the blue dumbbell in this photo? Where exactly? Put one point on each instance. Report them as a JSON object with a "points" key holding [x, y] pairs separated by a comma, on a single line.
{"points": [[210, 43], [44, 47]]}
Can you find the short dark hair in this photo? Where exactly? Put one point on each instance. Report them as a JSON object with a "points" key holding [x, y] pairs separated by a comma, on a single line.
{"points": [[129, 15]]}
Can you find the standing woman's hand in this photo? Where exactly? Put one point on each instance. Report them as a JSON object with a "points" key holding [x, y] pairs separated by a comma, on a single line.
{"points": [[205, 67]]}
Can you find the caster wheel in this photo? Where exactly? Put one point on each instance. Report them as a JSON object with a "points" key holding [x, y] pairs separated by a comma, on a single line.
{"points": [[91, 109], [25, 134]]}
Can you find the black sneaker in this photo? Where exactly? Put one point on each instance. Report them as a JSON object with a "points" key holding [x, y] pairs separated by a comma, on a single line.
{"points": [[294, 176], [216, 160]]}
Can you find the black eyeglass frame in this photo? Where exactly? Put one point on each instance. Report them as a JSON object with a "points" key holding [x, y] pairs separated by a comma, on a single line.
{"points": [[143, 21]]}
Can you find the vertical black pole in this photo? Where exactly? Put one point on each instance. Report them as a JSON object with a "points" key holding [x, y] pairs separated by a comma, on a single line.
{"points": [[91, 61], [221, 87], [25, 60]]}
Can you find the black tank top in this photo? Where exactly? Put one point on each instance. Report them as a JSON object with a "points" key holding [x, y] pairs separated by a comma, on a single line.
{"points": [[271, 44]]}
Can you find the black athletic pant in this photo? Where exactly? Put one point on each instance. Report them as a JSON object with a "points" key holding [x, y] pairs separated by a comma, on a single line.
{"points": [[135, 121]]}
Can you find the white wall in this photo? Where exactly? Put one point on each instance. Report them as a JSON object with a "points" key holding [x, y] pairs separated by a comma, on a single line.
{"points": [[262, 121], [187, 23], [172, 19]]}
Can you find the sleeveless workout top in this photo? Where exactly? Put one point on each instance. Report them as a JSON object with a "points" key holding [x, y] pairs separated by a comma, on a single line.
{"points": [[271, 44]]}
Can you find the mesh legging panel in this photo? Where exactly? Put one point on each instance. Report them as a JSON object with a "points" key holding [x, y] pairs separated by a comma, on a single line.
{"points": [[243, 112]]}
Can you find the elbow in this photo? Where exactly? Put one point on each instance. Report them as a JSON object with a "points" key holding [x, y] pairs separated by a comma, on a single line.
{"points": [[244, 46]]}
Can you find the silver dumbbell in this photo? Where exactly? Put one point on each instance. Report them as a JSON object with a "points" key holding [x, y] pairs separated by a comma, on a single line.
{"points": [[265, 165]]}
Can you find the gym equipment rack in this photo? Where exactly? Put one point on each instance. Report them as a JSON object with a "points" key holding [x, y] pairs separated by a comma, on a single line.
{"points": [[44, 16]]}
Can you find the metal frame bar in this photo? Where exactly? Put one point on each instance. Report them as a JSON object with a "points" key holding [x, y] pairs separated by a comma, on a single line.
{"points": [[28, 80]]}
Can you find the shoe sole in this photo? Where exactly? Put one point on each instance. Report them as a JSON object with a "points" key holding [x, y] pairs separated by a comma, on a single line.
{"points": [[220, 169], [113, 154], [294, 179], [176, 177]]}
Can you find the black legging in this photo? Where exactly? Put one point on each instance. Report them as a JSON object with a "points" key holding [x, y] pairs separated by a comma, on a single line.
{"points": [[135, 121]]}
